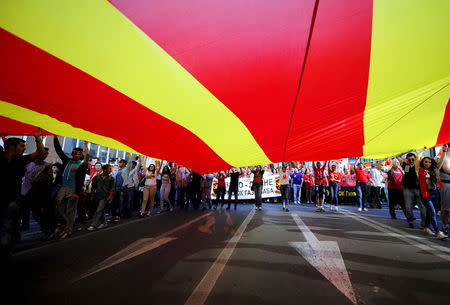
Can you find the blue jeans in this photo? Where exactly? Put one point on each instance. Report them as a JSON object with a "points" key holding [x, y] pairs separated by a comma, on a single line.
{"points": [[429, 204], [334, 193], [297, 188], [412, 197], [361, 192]]}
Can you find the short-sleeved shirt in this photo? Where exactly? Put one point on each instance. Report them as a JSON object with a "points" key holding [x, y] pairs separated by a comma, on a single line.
{"points": [[319, 175], [297, 178], [284, 177], [335, 176], [362, 175], [377, 178], [258, 177], [69, 176], [307, 178], [410, 179], [395, 180]]}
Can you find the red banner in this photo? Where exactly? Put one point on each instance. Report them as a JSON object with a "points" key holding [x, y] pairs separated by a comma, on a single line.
{"points": [[348, 180]]}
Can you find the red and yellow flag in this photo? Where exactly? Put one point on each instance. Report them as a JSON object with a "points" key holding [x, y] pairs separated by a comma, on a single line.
{"points": [[219, 84]]}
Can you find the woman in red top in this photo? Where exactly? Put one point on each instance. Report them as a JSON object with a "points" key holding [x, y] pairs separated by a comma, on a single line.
{"points": [[395, 188], [428, 184], [321, 181], [220, 191], [334, 178], [308, 183]]}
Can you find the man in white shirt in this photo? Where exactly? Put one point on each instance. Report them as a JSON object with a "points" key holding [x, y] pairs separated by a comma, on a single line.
{"points": [[377, 180]]}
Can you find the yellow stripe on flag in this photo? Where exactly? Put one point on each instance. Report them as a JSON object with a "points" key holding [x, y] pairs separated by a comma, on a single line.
{"points": [[409, 76], [57, 127], [96, 38]]}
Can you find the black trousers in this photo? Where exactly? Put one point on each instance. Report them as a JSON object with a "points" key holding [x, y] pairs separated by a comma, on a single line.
{"points": [[396, 197], [375, 192], [233, 191], [220, 193]]}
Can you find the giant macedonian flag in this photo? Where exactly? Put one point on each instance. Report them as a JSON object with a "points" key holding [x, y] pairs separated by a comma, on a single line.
{"points": [[214, 84]]}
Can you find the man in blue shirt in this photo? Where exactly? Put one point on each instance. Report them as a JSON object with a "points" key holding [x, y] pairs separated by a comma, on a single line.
{"points": [[297, 180], [74, 172]]}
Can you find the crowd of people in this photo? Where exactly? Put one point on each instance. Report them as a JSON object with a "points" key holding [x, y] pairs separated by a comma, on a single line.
{"points": [[81, 190]]}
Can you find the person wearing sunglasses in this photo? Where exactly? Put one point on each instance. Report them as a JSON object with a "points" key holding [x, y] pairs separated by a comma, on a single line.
{"points": [[411, 192]]}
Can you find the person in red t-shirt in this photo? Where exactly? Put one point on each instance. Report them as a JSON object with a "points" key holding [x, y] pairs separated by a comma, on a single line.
{"points": [[321, 182], [308, 183], [334, 178], [395, 188], [362, 177], [221, 190]]}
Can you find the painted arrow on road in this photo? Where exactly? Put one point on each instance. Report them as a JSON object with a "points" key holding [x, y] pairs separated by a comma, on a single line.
{"points": [[326, 257], [138, 247]]}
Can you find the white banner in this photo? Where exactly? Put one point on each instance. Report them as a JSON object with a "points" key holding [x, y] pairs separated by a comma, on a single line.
{"points": [[271, 187]]}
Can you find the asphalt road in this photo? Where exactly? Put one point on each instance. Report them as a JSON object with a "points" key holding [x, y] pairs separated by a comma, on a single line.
{"points": [[238, 257]]}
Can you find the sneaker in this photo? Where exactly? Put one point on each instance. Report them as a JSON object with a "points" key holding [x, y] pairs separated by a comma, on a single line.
{"points": [[91, 228], [445, 230], [116, 219], [103, 225], [365, 209], [428, 231], [441, 235], [410, 225], [336, 208], [65, 235], [332, 208], [171, 210], [260, 208], [359, 209], [287, 210]]}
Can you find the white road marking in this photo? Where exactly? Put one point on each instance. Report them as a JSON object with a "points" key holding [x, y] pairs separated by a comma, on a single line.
{"points": [[326, 257], [137, 248], [418, 242], [204, 287]]}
